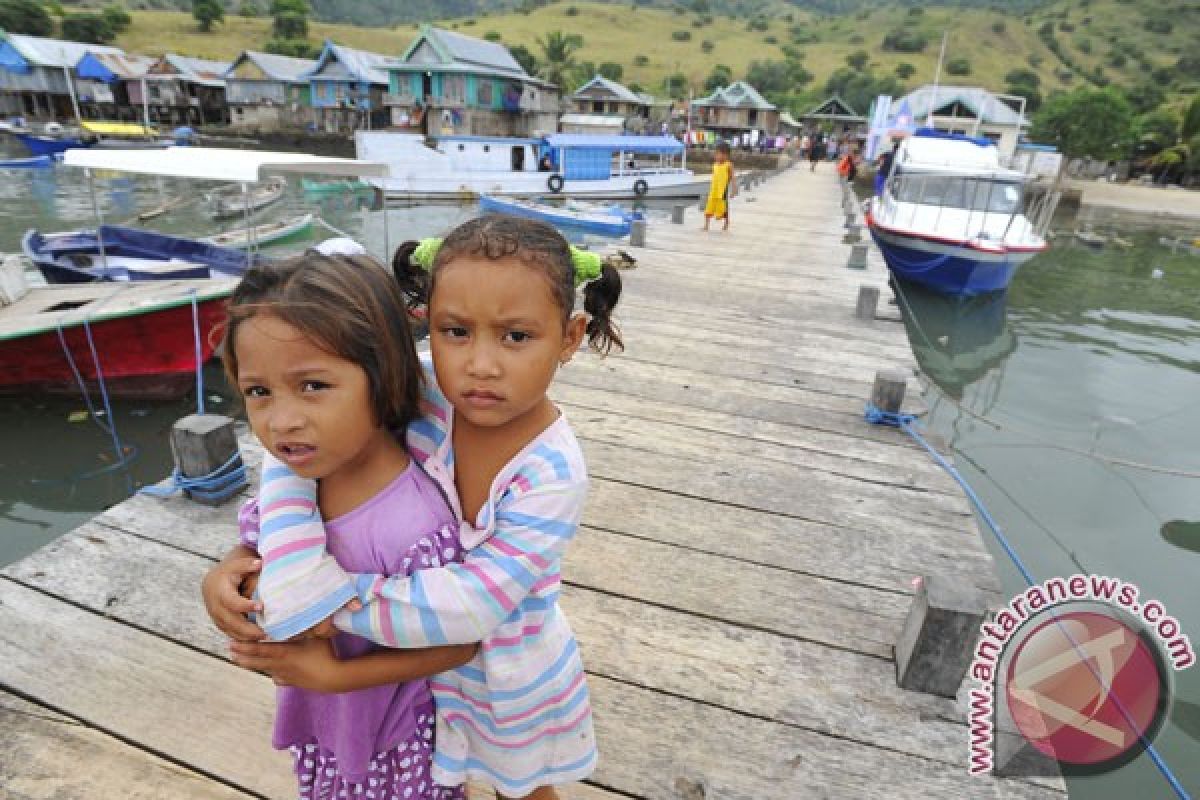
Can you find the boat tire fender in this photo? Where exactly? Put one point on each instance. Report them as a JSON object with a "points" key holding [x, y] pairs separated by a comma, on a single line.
{"points": [[554, 183], [640, 187]]}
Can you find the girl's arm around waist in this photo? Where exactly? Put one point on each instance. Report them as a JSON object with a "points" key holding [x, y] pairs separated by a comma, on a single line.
{"points": [[465, 602]]}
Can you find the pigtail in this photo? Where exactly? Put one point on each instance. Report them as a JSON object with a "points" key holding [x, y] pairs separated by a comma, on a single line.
{"points": [[599, 299], [412, 278]]}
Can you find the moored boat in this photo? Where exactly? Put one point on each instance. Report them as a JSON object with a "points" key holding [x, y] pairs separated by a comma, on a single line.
{"points": [[116, 253], [612, 221], [142, 333], [267, 234], [950, 217], [48, 145], [33, 162], [233, 201], [572, 165]]}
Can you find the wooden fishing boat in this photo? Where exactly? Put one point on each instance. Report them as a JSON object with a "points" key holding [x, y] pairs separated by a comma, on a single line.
{"points": [[267, 234], [232, 201], [611, 221], [142, 334], [117, 253]]}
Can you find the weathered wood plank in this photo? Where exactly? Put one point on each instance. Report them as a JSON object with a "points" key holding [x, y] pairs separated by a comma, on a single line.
{"points": [[47, 756], [167, 699]]}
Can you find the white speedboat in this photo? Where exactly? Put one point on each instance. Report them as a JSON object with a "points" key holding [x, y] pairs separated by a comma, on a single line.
{"points": [[573, 165], [950, 217]]}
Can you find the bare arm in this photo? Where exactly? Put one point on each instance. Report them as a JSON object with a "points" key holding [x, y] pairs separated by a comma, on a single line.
{"points": [[312, 664], [221, 590]]}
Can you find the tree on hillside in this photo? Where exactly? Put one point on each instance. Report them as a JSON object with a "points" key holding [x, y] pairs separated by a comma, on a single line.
{"points": [[25, 16], [858, 59], [611, 70], [290, 19], [1191, 119], [117, 18], [721, 75], [525, 58], [860, 88], [1157, 130], [558, 57], [90, 28], [1086, 122], [207, 12]]}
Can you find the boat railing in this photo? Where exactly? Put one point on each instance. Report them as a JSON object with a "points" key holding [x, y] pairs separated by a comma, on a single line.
{"points": [[977, 196]]}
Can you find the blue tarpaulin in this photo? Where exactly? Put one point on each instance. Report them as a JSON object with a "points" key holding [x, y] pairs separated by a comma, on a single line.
{"points": [[667, 145], [11, 60]]}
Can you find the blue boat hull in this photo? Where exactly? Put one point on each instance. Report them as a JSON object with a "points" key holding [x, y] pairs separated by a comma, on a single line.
{"points": [[34, 162], [618, 226], [953, 269], [129, 254], [44, 146]]}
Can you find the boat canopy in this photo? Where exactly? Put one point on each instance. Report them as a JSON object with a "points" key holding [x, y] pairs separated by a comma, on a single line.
{"points": [[220, 164], [667, 145], [117, 128], [934, 133]]}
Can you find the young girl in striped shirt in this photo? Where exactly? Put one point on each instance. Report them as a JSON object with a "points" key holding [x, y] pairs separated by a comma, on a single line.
{"points": [[501, 294]]}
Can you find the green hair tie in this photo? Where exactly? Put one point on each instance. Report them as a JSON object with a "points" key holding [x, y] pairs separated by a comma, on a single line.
{"points": [[586, 264]]}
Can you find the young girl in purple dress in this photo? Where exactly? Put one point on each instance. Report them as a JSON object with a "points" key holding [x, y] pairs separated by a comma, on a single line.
{"points": [[320, 350]]}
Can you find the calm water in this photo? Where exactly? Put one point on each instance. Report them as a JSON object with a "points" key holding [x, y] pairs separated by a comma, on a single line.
{"points": [[1092, 357]]}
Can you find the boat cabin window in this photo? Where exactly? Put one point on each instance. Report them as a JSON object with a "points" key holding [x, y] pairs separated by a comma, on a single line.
{"points": [[957, 191], [518, 158]]}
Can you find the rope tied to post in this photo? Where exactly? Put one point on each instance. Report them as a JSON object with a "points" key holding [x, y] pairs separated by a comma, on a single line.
{"points": [[217, 486]]}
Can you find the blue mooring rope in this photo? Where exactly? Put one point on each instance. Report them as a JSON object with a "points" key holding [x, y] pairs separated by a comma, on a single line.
{"points": [[907, 423], [219, 485]]}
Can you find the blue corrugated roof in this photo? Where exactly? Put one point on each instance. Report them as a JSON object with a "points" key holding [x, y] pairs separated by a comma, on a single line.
{"points": [[361, 64], [627, 144]]}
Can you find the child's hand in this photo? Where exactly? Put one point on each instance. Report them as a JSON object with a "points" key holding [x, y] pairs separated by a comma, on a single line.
{"points": [[306, 664], [222, 600]]}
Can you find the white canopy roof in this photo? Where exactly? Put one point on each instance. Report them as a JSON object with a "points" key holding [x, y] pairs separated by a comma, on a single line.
{"points": [[220, 164]]}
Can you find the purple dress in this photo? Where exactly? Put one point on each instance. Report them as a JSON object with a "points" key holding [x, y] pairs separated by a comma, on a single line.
{"points": [[375, 742]]}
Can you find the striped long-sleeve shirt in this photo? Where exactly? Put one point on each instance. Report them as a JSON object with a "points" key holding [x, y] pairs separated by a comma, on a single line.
{"points": [[518, 715]]}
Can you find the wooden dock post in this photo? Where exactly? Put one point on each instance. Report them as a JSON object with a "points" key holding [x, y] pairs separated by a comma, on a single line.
{"points": [[677, 211], [887, 393], [936, 643], [201, 445], [858, 256], [868, 302], [637, 233]]}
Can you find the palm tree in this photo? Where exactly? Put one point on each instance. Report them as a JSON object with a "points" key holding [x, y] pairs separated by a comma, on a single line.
{"points": [[558, 57]]}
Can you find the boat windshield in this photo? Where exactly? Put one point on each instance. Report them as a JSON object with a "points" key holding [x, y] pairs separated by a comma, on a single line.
{"points": [[975, 193]]}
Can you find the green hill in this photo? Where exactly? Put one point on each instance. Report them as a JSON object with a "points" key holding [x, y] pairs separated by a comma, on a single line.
{"points": [[1134, 44]]}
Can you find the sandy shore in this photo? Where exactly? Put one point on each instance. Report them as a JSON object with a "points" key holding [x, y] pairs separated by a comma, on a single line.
{"points": [[1172, 202]]}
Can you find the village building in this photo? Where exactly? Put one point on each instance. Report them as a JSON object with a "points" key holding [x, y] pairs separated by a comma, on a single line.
{"points": [[184, 90], [737, 112], [104, 82], [968, 110], [604, 106], [35, 75], [266, 92], [835, 117], [446, 83], [348, 88]]}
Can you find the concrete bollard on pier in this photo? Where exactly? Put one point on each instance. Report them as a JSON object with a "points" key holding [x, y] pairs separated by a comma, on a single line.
{"points": [[936, 643], [858, 256], [205, 445], [887, 393], [637, 233], [853, 234], [868, 302], [677, 211]]}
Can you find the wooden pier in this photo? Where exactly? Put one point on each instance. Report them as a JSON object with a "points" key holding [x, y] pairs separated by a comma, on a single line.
{"points": [[746, 563]]}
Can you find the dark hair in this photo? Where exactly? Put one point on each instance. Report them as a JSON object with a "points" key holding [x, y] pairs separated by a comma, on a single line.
{"points": [[723, 147], [535, 244], [347, 305]]}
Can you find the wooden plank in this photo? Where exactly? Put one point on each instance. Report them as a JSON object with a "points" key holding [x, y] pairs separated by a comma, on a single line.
{"points": [[47, 756], [166, 699], [683, 654]]}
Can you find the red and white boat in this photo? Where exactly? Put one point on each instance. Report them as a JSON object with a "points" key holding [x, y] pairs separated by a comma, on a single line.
{"points": [[143, 335]]}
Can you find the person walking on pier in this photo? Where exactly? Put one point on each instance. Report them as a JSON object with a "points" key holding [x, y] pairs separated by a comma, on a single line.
{"points": [[721, 189], [500, 292]]}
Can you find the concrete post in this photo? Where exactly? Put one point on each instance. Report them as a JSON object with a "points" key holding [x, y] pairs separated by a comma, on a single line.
{"points": [[887, 393], [677, 214], [858, 256], [637, 233], [936, 643], [868, 302], [201, 444], [853, 234]]}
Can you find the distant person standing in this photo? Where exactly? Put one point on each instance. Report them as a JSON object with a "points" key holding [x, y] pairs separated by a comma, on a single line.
{"points": [[815, 151], [805, 145], [883, 168], [721, 188], [831, 147]]}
